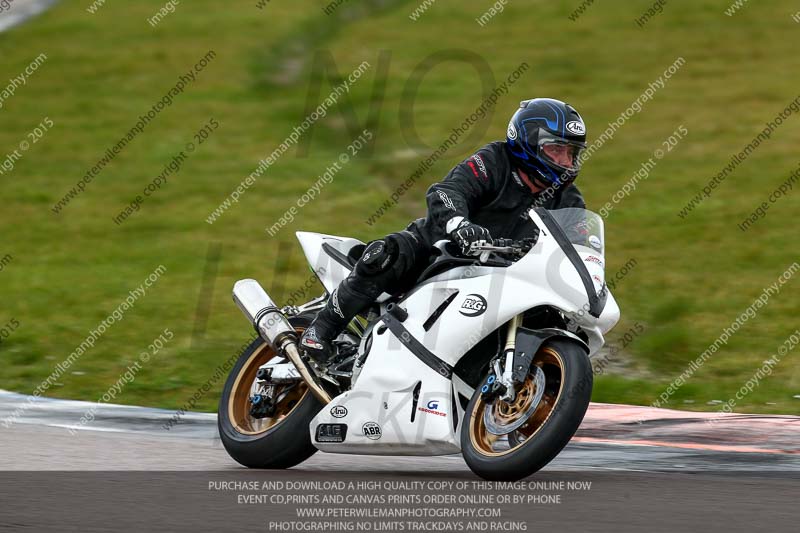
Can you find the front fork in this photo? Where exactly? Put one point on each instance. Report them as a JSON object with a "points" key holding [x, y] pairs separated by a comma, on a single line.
{"points": [[500, 384]]}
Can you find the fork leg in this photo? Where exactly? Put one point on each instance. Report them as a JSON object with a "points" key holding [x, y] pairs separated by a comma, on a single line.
{"points": [[508, 369]]}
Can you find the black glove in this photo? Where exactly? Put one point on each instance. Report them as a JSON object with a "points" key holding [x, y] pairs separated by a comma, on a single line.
{"points": [[467, 233]]}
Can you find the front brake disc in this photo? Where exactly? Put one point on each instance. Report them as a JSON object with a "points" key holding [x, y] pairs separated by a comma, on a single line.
{"points": [[497, 427]]}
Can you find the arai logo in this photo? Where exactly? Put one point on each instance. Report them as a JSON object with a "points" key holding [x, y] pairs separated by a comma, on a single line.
{"points": [[474, 305], [594, 241], [576, 127], [372, 430], [338, 411], [512, 132]]}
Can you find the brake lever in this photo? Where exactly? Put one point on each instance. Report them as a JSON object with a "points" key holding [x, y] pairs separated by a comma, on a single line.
{"points": [[480, 249], [484, 249]]}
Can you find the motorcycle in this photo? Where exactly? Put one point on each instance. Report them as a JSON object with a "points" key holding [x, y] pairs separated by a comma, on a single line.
{"points": [[488, 356]]}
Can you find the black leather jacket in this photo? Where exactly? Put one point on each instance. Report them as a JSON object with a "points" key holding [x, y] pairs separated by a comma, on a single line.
{"points": [[486, 190]]}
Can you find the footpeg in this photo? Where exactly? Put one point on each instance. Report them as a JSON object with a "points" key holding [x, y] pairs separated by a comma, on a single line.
{"points": [[319, 371], [344, 349]]}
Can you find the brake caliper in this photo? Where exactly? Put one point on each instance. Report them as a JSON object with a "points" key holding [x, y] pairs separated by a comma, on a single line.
{"points": [[492, 389]]}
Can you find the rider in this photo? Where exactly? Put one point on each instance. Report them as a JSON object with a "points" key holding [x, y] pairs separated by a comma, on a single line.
{"points": [[487, 195]]}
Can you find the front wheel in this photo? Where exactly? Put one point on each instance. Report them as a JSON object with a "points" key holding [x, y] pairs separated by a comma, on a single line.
{"points": [[509, 441], [280, 441]]}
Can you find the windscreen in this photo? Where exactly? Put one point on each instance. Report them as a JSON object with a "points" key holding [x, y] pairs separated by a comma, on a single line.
{"points": [[582, 227]]}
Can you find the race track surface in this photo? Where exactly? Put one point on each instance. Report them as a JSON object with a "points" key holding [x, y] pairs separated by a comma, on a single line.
{"points": [[21, 10], [650, 470]]}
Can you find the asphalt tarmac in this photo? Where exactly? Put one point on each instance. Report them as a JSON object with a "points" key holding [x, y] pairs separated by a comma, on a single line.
{"points": [[635, 469], [19, 11]]}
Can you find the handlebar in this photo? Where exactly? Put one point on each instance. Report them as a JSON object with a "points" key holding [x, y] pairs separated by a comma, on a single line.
{"points": [[498, 253], [506, 248]]}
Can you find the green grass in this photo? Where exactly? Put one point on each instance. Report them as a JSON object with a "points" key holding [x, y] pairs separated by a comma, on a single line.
{"points": [[693, 277]]}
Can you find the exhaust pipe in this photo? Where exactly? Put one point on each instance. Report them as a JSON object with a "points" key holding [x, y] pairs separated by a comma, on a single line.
{"points": [[262, 312], [274, 328]]}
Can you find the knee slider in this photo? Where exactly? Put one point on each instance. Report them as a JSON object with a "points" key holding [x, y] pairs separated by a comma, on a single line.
{"points": [[378, 257]]}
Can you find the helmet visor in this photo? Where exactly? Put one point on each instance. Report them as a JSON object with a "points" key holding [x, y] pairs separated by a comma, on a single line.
{"points": [[560, 153]]}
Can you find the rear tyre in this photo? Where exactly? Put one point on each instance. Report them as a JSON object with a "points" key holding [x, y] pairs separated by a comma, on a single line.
{"points": [[549, 425], [278, 442]]}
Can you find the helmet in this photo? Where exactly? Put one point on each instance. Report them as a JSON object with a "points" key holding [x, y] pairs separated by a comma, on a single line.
{"points": [[545, 139]]}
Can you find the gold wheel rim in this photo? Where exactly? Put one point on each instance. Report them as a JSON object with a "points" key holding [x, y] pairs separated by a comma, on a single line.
{"points": [[239, 399], [484, 442]]}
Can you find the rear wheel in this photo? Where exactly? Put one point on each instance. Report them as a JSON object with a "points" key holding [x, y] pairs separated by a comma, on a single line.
{"points": [[280, 441], [509, 441]]}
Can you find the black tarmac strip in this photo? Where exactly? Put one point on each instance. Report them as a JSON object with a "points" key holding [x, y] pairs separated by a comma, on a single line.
{"points": [[125, 472]]}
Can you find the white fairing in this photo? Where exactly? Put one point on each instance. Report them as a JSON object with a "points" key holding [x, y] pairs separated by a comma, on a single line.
{"points": [[486, 298], [384, 396], [329, 271]]}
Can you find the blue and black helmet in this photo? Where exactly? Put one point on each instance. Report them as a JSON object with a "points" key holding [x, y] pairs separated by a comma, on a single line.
{"points": [[546, 138]]}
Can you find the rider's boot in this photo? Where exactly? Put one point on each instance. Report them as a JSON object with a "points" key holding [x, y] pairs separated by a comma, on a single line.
{"points": [[343, 305], [317, 339]]}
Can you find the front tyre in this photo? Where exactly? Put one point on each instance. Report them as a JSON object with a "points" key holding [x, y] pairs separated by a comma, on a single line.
{"points": [[277, 442], [552, 401]]}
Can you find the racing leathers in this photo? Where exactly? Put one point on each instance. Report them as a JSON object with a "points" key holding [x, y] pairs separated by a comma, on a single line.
{"points": [[483, 195]]}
